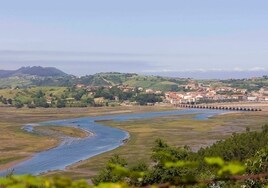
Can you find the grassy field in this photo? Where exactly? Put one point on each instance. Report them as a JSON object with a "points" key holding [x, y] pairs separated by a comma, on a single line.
{"points": [[151, 82], [13, 82], [17, 145], [25, 95]]}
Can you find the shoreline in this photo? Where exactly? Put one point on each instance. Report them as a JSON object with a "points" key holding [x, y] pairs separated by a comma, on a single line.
{"points": [[8, 166], [59, 141], [123, 142]]}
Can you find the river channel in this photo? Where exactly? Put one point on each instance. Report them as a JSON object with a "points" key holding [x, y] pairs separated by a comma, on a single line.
{"points": [[103, 139]]}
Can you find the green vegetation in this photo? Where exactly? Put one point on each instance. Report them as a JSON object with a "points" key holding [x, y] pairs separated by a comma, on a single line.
{"points": [[28, 181], [239, 147], [45, 97], [111, 89], [156, 83], [60, 97], [37, 76], [180, 166], [249, 84], [13, 82], [32, 97], [144, 99], [100, 79]]}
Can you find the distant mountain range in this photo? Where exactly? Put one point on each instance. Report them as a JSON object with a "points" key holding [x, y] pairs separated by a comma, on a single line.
{"points": [[33, 71]]}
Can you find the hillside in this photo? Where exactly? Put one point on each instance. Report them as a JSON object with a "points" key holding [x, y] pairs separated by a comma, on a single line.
{"points": [[32, 71], [5, 73], [33, 76], [104, 79], [52, 77], [133, 80]]}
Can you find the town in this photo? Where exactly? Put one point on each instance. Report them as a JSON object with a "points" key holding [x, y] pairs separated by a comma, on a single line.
{"points": [[182, 91], [206, 94], [192, 93]]}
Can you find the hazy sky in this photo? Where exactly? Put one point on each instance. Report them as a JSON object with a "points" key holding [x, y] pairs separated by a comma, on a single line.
{"points": [[86, 36]]}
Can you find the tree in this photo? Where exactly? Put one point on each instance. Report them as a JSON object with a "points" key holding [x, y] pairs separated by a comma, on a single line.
{"points": [[79, 94], [4, 101], [61, 103], [143, 99], [107, 175], [18, 104]]}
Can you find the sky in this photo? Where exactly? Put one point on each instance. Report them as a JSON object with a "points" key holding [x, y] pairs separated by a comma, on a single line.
{"points": [[144, 36]]}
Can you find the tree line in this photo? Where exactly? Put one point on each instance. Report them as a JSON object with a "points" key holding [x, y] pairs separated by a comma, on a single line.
{"points": [[79, 97]]}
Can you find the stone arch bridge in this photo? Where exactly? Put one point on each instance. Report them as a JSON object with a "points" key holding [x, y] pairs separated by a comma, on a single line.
{"points": [[216, 107]]}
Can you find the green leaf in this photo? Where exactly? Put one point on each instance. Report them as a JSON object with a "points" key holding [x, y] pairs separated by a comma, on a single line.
{"points": [[180, 164], [5, 181], [232, 168], [119, 170], [111, 185], [217, 161]]}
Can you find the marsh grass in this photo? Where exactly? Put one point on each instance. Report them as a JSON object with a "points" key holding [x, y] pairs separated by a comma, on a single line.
{"points": [[61, 131], [178, 130], [17, 144]]}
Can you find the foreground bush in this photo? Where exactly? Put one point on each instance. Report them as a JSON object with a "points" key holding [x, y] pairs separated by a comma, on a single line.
{"points": [[28, 181]]}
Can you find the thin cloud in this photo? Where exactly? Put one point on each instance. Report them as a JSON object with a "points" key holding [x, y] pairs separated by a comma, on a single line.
{"points": [[257, 69]]}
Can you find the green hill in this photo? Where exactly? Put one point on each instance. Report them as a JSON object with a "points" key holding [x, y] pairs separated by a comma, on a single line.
{"points": [[32, 71], [133, 80], [34, 78]]}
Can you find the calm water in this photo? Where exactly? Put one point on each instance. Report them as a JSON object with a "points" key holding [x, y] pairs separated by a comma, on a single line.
{"points": [[105, 139]]}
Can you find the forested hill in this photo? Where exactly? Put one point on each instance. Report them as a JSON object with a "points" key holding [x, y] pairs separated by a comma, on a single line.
{"points": [[39, 76], [132, 80], [32, 71], [113, 79]]}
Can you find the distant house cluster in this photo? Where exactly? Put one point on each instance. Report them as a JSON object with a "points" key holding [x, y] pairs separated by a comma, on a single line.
{"points": [[261, 95], [124, 88], [206, 94], [123, 94], [193, 93]]}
